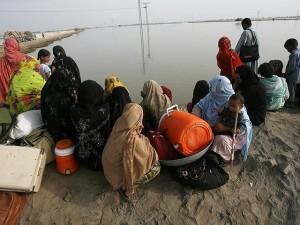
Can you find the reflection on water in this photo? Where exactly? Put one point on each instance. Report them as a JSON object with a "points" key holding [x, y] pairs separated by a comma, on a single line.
{"points": [[181, 54]]}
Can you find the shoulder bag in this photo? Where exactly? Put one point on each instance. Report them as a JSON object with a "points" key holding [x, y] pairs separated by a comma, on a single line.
{"points": [[250, 53], [41, 138]]}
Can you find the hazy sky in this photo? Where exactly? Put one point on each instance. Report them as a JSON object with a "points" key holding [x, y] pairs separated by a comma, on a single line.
{"points": [[43, 15]]}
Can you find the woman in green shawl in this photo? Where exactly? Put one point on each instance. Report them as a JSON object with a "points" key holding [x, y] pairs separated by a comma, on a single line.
{"points": [[26, 84], [276, 87]]}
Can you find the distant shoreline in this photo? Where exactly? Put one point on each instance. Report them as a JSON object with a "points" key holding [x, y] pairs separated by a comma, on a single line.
{"points": [[50, 37], [238, 20]]}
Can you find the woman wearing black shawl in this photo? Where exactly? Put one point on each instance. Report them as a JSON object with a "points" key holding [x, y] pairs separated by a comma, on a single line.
{"points": [[59, 94], [201, 89], [90, 118], [118, 99], [253, 92]]}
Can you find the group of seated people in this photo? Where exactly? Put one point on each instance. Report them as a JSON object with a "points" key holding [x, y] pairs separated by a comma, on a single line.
{"points": [[109, 129]]}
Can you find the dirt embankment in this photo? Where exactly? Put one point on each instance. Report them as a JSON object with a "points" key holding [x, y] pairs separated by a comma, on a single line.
{"points": [[30, 46]]}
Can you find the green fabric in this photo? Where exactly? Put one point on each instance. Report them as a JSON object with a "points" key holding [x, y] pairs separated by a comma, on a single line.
{"points": [[26, 85], [153, 172], [6, 123], [275, 91]]}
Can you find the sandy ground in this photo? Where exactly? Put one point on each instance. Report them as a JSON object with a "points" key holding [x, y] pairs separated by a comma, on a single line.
{"points": [[263, 190], [30, 46]]}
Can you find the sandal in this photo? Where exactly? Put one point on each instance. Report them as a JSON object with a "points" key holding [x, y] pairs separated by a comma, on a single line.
{"points": [[134, 199]]}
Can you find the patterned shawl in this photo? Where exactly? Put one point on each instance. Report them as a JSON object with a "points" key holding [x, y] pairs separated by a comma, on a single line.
{"points": [[128, 155], [26, 86], [58, 95], [8, 64], [91, 121]]}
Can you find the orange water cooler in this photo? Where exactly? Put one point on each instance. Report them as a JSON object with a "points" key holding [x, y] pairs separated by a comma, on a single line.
{"points": [[188, 133], [64, 155]]}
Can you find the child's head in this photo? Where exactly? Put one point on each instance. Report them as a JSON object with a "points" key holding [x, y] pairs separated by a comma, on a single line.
{"points": [[44, 55], [266, 70], [236, 102], [291, 44]]}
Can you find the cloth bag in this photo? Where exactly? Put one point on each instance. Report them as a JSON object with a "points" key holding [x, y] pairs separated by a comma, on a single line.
{"points": [[250, 53], [165, 150], [26, 123], [203, 174], [40, 138]]}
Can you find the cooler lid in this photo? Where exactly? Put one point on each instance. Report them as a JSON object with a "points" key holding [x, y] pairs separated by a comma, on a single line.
{"points": [[20, 166]]}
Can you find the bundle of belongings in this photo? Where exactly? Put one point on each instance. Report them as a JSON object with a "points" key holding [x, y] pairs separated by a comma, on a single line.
{"points": [[26, 129], [25, 148], [182, 143]]}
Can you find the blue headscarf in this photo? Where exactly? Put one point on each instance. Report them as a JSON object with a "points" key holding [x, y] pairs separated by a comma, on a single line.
{"points": [[246, 121], [219, 93]]}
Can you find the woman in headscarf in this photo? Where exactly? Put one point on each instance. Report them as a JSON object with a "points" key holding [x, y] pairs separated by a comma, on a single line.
{"points": [[167, 91], [253, 92], [90, 118], [26, 85], [207, 108], [128, 158], [277, 66], [8, 64], [111, 83], [276, 87], [217, 98], [201, 89], [118, 99], [227, 59], [59, 94], [154, 104]]}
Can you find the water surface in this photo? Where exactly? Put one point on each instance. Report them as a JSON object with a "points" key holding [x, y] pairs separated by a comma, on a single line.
{"points": [[178, 54]]}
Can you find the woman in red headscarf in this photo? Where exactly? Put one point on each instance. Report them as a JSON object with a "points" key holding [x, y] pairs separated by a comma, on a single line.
{"points": [[8, 64], [227, 59]]}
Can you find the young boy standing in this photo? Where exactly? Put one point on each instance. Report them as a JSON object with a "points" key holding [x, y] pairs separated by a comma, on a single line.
{"points": [[292, 71]]}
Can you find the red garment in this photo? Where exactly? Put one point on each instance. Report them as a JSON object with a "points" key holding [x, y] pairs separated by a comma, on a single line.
{"points": [[227, 59], [167, 92], [8, 64]]}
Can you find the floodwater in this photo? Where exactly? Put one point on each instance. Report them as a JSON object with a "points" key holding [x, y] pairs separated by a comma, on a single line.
{"points": [[175, 55]]}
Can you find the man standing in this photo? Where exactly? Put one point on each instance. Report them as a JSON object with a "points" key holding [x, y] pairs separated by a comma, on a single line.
{"points": [[248, 38]]}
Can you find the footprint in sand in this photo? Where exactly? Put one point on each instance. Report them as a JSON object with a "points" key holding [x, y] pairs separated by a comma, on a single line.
{"points": [[70, 194], [250, 164]]}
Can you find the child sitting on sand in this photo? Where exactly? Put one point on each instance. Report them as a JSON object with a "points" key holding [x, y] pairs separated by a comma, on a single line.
{"points": [[226, 127], [44, 57], [227, 115]]}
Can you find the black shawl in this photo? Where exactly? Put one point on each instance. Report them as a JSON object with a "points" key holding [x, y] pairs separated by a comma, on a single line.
{"points": [[90, 118], [118, 99], [58, 95], [254, 94]]}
